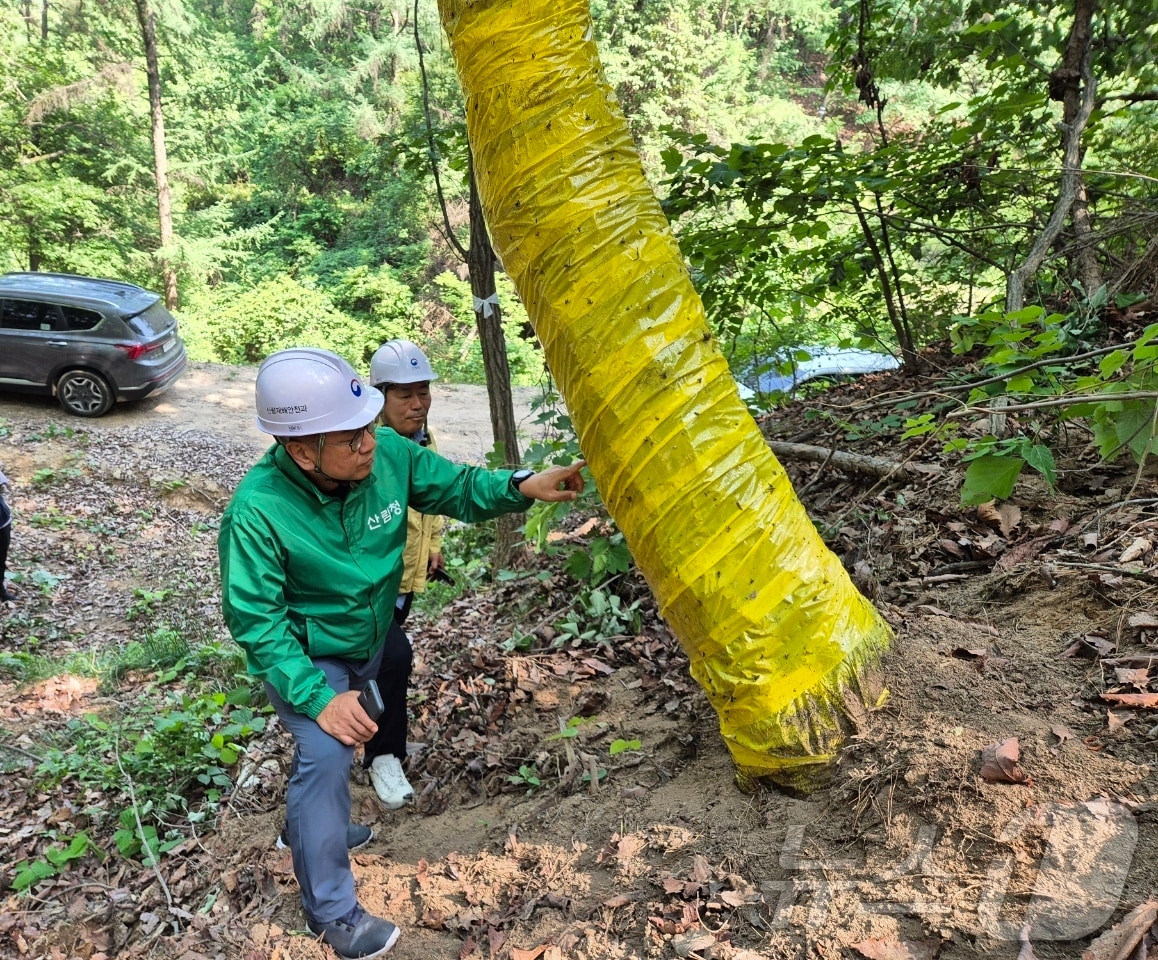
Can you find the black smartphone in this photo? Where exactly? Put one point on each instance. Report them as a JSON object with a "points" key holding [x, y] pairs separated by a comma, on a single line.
{"points": [[438, 573], [371, 700]]}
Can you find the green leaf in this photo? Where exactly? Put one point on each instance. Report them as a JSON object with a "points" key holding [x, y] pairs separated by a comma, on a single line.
{"points": [[1113, 363], [1040, 457], [28, 874], [990, 477], [619, 745]]}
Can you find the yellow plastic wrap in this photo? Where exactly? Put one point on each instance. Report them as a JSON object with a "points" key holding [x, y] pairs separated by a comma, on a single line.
{"points": [[777, 635]]}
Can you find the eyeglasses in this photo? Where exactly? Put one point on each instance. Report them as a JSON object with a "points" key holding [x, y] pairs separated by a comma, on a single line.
{"points": [[354, 444]]}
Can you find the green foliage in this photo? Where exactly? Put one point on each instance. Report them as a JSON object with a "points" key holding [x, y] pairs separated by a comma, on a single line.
{"points": [[283, 312], [527, 776], [597, 616], [48, 475], [603, 556], [176, 748], [56, 860], [466, 551], [145, 603], [134, 838], [26, 667], [718, 69], [1034, 356], [569, 730], [619, 745], [53, 431]]}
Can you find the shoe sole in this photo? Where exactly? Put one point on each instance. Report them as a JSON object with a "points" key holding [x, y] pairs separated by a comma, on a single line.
{"points": [[396, 804]]}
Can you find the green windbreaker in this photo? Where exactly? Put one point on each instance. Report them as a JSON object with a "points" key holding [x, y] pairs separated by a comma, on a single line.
{"points": [[305, 574]]}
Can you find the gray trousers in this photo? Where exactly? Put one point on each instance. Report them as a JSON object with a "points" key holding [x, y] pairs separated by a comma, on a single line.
{"points": [[317, 798]]}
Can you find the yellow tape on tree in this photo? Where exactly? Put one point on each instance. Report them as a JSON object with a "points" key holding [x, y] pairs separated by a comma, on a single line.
{"points": [[777, 635]]}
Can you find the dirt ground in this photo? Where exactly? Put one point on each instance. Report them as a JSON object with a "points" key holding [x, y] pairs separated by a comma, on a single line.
{"points": [[1025, 625]]}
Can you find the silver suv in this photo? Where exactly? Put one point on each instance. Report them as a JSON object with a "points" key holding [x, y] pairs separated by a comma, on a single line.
{"points": [[90, 342]]}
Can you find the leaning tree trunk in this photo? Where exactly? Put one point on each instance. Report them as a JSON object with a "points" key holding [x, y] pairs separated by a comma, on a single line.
{"points": [[480, 262], [1073, 83], [160, 155], [776, 634]]}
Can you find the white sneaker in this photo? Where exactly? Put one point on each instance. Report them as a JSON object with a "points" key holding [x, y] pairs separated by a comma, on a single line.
{"points": [[390, 782]]}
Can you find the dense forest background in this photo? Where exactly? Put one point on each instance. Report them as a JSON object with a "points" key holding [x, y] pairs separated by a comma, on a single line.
{"points": [[888, 172]]}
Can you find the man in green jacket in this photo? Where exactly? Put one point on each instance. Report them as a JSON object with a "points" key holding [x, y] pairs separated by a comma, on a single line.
{"points": [[311, 558]]}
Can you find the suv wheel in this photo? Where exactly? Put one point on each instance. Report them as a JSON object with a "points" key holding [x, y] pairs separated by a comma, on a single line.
{"points": [[84, 393]]}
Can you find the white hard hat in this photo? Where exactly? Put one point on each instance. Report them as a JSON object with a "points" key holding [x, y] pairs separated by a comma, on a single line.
{"points": [[303, 391], [400, 361]]}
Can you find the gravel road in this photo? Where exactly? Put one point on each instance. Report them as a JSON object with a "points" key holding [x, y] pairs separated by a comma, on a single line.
{"points": [[217, 399]]}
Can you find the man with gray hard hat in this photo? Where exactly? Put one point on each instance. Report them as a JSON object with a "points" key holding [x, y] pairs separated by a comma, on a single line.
{"points": [[311, 558], [403, 373]]}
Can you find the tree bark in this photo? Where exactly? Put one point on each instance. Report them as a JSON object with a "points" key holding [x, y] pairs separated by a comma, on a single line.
{"points": [[1075, 68], [480, 263], [1070, 188], [160, 156]]}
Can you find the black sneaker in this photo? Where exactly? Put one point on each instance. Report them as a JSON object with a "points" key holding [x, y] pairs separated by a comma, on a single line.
{"points": [[357, 836], [358, 935]]}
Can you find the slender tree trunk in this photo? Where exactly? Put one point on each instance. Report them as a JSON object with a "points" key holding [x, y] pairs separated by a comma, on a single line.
{"points": [[480, 262], [1073, 71], [899, 324], [1070, 185], [44, 22], [160, 156]]}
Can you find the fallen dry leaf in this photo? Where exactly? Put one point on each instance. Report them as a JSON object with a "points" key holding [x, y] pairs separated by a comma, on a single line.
{"points": [[1148, 701], [999, 762], [1132, 677], [1136, 550], [693, 943], [533, 954], [1143, 621], [1091, 646], [1005, 518], [1115, 721]]}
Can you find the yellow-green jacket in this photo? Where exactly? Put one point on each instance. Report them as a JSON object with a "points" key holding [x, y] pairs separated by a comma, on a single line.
{"points": [[305, 574], [423, 537]]}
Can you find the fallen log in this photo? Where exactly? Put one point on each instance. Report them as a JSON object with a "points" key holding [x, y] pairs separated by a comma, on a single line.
{"points": [[852, 462]]}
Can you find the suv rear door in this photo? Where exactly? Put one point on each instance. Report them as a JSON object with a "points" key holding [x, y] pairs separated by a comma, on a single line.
{"points": [[31, 346]]}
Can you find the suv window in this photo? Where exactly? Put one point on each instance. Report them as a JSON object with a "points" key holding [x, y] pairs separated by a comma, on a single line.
{"points": [[27, 315], [154, 321], [77, 318]]}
